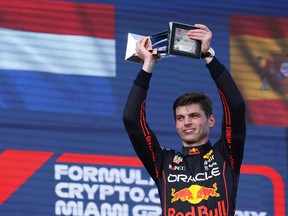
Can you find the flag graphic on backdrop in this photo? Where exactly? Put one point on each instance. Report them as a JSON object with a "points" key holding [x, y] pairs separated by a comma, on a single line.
{"points": [[259, 65], [57, 56]]}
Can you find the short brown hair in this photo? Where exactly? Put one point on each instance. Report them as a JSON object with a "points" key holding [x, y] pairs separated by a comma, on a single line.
{"points": [[194, 98]]}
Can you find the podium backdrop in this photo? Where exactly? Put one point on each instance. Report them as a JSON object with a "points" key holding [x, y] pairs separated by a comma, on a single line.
{"points": [[64, 83]]}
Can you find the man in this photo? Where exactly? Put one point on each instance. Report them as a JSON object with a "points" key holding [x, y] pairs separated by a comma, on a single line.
{"points": [[203, 179]]}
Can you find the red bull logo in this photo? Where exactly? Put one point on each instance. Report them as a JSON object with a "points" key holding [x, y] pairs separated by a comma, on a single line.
{"points": [[194, 194], [194, 151], [219, 210]]}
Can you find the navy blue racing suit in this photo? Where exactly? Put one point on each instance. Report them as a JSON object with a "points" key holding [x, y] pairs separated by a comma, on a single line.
{"points": [[199, 180]]}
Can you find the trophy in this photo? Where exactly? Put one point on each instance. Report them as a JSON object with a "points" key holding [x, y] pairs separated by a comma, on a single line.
{"points": [[170, 43]]}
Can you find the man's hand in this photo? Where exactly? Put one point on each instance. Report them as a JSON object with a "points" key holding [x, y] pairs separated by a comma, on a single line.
{"points": [[203, 34], [145, 52]]}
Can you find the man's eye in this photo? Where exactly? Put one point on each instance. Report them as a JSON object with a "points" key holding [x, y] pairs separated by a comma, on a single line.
{"points": [[194, 116]]}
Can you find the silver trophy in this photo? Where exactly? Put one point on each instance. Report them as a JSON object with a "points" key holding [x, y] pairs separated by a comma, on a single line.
{"points": [[171, 43]]}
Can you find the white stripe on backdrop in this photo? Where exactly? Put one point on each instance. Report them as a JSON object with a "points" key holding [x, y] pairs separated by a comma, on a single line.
{"points": [[56, 53]]}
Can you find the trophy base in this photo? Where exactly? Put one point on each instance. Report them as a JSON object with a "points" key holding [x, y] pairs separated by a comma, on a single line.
{"points": [[131, 55]]}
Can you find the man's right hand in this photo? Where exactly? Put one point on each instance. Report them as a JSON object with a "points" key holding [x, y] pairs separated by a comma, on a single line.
{"points": [[146, 53]]}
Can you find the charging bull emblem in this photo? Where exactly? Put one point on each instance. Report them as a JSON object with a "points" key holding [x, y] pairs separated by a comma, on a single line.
{"points": [[194, 194]]}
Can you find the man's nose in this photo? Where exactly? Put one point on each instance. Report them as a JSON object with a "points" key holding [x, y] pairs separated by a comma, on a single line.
{"points": [[187, 121]]}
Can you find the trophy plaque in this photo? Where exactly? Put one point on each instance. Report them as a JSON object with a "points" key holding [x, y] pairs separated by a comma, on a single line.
{"points": [[170, 43]]}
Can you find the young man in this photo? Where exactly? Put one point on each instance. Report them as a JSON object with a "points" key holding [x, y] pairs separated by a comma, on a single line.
{"points": [[203, 179]]}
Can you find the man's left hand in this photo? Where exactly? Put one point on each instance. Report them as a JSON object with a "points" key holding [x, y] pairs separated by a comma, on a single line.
{"points": [[203, 34]]}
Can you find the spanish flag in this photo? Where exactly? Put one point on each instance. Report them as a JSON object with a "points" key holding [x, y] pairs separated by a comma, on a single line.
{"points": [[259, 65]]}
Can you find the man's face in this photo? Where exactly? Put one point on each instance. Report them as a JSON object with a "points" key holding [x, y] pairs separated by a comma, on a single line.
{"points": [[192, 125]]}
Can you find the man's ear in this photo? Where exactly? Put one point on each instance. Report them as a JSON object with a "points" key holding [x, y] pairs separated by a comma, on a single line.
{"points": [[211, 121]]}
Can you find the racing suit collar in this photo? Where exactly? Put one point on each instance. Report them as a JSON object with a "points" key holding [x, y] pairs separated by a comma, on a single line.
{"points": [[199, 150]]}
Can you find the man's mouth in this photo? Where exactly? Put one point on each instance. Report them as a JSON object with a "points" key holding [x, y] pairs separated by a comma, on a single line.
{"points": [[189, 130]]}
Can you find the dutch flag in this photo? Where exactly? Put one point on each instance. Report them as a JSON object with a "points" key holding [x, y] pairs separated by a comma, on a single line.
{"points": [[57, 55]]}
